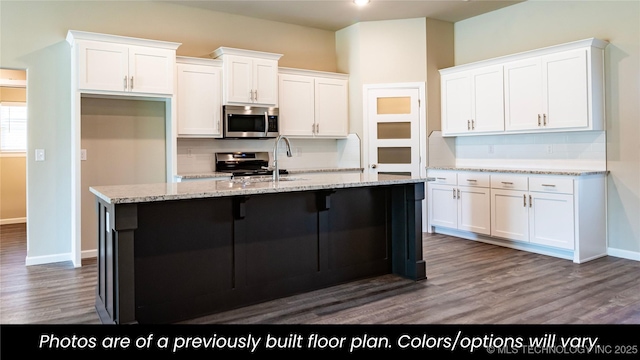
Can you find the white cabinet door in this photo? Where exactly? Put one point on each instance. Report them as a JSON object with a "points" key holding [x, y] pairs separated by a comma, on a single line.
{"points": [[151, 70], [551, 220], [297, 105], [509, 214], [565, 89], [265, 82], [238, 80], [250, 81], [331, 108], [199, 100], [472, 101], [474, 209], [523, 94], [487, 100], [103, 66], [456, 103], [443, 206]]}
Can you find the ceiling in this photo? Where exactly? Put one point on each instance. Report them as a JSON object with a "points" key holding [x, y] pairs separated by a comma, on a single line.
{"points": [[337, 14]]}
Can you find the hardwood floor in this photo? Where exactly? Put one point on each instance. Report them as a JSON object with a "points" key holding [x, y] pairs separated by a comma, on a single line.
{"points": [[468, 283]]}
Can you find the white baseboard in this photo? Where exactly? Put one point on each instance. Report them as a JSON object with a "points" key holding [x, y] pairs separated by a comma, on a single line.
{"points": [[13, 221], [47, 259], [86, 254], [625, 254]]}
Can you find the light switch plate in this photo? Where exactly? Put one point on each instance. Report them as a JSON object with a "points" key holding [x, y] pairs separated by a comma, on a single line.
{"points": [[39, 154], [83, 154]]}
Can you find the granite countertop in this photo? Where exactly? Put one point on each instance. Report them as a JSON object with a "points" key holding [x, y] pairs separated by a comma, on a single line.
{"points": [[122, 194], [522, 171], [206, 175]]}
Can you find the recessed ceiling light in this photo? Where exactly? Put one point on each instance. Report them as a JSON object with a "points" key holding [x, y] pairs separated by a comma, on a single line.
{"points": [[361, 2]]}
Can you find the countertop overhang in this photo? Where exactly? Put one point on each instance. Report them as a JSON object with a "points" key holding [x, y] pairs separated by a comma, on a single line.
{"points": [[139, 193], [565, 172]]}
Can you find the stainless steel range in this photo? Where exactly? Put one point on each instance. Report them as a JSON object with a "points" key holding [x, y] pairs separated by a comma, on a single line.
{"points": [[241, 164]]}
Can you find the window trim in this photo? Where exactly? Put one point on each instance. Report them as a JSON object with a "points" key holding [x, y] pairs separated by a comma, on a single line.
{"points": [[15, 153]]}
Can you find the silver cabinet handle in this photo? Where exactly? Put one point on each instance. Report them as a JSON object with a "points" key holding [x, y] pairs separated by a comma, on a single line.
{"points": [[538, 119], [454, 193], [507, 182], [256, 92], [473, 124], [544, 119], [530, 201], [468, 124], [549, 185], [524, 199], [125, 83], [458, 193], [317, 128], [131, 84], [251, 95], [473, 180], [439, 178], [373, 166]]}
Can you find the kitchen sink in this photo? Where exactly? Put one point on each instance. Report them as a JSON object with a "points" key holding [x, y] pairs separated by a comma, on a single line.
{"points": [[262, 179]]}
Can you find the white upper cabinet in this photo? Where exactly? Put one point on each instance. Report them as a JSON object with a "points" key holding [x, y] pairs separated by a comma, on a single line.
{"points": [[472, 101], [199, 97], [115, 64], [249, 77], [559, 88], [313, 104], [548, 92]]}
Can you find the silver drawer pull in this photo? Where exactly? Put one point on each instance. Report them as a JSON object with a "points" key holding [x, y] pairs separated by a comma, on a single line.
{"points": [[472, 180], [439, 178], [507, 182], [549, 185]]}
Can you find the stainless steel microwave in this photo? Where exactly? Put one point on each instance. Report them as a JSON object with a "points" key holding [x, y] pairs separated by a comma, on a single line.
{"points": [[249, 122]]}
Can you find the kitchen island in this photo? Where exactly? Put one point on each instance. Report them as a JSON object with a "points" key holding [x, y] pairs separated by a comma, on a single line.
{"points": [[175, 251]]}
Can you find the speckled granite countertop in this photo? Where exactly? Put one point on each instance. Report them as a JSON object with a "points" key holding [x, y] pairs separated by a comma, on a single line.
{"points": [[207, 175], [121, 194], [523, 171]]}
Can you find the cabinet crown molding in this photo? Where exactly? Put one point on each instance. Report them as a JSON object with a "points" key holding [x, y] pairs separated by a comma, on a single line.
{"points": [[73, 35], [305, 72], [198, 61], [243, 52], [590, 42]]}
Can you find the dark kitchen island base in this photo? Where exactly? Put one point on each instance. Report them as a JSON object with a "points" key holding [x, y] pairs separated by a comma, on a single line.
{"points": [[168, 261]]}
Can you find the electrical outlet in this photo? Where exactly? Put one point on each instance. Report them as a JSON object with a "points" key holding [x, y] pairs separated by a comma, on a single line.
{"points": [[39, 154], [83, 154], [549, 149]]}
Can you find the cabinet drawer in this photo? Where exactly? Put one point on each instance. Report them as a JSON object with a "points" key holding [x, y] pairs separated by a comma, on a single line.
{"points": [[560, 185], [509, 181], [442, 177], [473, 179]]}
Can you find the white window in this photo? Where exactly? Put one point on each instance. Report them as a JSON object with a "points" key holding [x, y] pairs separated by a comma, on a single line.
{"points": [[13, 127]]}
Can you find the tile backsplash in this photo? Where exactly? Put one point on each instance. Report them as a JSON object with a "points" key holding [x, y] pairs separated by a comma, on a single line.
{"points": [[198, 155], [569, 150]]}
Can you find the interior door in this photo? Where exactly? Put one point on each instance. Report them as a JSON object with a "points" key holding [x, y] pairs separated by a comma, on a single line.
{"points": [[394, 134]]}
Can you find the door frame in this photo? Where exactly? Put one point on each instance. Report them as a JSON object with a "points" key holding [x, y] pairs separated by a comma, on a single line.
{"points": [[422, 113]]}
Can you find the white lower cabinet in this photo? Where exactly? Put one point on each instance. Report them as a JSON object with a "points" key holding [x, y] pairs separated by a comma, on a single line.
{"points": [[464, 207], [557, 215], [542, 217]]}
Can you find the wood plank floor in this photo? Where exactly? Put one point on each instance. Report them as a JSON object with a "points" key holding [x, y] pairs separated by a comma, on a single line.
{"points": [[468, 283]]}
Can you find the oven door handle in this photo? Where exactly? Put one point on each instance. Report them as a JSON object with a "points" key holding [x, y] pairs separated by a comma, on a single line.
{"points": [[266, 124]]}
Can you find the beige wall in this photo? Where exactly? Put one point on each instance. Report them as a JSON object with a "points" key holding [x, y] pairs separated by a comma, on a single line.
{"points": [[32, 36], [13, 190], [377, 52], [125, 144], [535, 24], [13, 168]]}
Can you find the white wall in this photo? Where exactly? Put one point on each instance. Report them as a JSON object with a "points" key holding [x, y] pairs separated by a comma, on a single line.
{"points": [[536, 24]]}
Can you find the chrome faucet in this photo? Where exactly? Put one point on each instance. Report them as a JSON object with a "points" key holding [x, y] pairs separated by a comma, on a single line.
{"points": [[276, 168]]}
